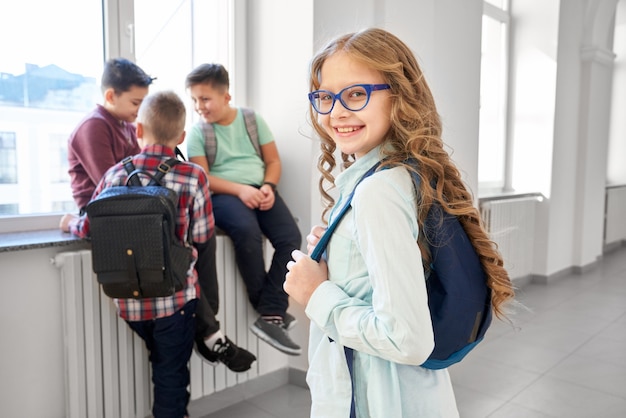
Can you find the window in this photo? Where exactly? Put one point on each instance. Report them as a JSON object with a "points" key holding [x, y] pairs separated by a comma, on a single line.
{"points": [[57, 150], [8, 160], [493, 144], [46, 89], [616, 169]]}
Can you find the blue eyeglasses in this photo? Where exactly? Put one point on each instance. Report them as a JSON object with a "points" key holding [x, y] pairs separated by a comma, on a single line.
{"points": [[353, 98]]}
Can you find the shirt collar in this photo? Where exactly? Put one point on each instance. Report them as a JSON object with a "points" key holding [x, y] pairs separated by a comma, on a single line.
{"points": [[158, 149], [107, 115], [347, 179]]}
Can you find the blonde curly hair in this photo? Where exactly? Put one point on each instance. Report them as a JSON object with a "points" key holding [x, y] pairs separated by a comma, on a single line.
{"points": [[415, 133]]}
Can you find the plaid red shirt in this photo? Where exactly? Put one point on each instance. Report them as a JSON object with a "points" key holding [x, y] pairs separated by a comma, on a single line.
{"points": [[194, 204]]}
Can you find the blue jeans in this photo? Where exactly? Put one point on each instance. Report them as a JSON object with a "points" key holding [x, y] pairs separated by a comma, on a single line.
{"points": [[169, 341], [246, 227]]}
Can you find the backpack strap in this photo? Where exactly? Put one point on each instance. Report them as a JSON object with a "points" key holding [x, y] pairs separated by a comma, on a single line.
{"points": [[155, 179], [179, 154], [319, 249], [210, 141], [253, 130], [162, 170], [130, 169]]}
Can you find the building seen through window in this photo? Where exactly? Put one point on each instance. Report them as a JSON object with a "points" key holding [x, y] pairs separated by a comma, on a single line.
{"points": [[48, 81]]}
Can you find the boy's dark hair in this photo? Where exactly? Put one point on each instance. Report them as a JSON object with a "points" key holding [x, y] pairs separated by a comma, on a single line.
{"points": [[213, 74], [121, 74]]}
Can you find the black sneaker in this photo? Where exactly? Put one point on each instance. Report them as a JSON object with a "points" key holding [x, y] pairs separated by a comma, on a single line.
{"points": [[272, 331], [289, 321], [235, 358]]}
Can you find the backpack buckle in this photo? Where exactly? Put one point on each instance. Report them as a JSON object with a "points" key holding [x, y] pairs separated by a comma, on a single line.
{"points": [[164, 167]]}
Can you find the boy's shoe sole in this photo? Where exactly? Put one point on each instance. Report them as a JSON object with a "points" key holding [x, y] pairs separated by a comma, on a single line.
{"points": [[204, 353], [275, 335]]}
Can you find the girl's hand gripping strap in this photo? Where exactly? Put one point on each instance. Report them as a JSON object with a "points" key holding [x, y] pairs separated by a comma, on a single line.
{"points": [[319, 249]]}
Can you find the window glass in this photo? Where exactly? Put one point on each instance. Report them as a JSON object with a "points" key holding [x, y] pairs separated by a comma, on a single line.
{"points": [[172, 37], [8, 158], [616, 169], [48, 81], [493, 84]]}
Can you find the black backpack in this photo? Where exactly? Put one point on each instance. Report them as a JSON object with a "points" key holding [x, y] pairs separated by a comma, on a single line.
{"points": [[458, 296], [134, 247]]}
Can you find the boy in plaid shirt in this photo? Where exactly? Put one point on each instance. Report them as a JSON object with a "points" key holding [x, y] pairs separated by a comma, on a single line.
{"points": [[166, 324]]}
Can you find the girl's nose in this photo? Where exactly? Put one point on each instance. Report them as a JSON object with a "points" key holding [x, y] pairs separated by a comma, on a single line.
{"points": [[338, 110]]}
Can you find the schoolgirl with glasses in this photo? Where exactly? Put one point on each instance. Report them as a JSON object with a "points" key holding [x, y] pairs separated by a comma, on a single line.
{"points": [[370, 99]]}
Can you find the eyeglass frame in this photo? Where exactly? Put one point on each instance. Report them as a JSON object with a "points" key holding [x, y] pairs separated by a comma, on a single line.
{"points": [[369, 88]]}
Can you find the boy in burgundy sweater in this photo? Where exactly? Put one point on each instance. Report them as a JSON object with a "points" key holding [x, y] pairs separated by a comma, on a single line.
{"points": [[107, 134]]}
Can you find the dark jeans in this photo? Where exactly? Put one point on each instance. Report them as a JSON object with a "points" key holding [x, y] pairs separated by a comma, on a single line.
{"points": [[169, 341], [208, 301], [246, 227]]}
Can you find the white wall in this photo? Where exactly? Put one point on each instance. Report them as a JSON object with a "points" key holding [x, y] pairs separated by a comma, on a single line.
{"points": [[582, 134], [557, 225], [280, 39], [32, 365]]}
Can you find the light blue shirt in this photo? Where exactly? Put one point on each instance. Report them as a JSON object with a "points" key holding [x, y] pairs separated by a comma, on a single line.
{"points": [[375, 302]]}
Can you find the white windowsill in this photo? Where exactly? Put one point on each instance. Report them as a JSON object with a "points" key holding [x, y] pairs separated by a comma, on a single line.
{"points": [[36, 231]]}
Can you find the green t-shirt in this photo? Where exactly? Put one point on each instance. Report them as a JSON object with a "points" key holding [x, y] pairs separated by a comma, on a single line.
{"points": [[236, 159]]}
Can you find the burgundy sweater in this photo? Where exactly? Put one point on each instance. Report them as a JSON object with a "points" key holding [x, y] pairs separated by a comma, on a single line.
{"points": [[98, 142]]}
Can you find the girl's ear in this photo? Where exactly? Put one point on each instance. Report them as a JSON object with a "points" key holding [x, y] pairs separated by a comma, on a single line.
{"points": [[182, 137]]}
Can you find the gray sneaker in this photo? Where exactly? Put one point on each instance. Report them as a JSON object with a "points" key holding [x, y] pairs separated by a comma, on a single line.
{"points": [[274, 333], [289, 321]]}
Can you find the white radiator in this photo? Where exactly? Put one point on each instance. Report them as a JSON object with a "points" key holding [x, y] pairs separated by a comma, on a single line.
{"points": [[511, 225], [614, 226], [107, 368]]}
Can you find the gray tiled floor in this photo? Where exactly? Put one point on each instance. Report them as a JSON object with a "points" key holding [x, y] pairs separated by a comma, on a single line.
{"points": [[564, 356]]}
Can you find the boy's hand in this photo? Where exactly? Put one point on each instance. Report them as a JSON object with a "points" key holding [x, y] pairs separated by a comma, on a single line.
{"points": [[64, 224], [250, 196], [304, 275], [268, 197], [314, 236]]}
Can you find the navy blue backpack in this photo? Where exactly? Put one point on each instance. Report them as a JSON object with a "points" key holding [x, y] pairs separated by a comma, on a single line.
{"points": [[458, 296]]}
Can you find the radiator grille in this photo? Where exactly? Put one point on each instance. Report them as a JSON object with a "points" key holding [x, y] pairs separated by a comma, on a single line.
{"points": [[107, 368], [511, 225]]}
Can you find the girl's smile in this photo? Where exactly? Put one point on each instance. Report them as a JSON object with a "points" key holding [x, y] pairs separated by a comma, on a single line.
{"points": [[347, 129]]}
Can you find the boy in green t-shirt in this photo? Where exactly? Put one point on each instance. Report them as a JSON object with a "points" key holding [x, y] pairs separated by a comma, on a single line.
{"points": [[246, 203]]}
